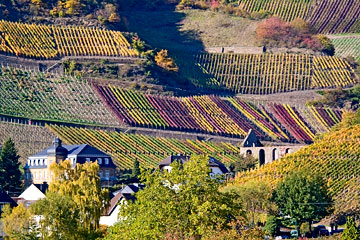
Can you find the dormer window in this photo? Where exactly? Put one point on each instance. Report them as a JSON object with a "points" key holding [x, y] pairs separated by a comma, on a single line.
{"points": [[99, 161], [44, 162], [29, 162], [106, 161], [33, 162]]}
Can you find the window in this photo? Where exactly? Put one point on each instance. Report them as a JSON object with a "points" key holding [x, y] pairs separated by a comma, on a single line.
{"points": [[40, 175], [29, 162], [39, 162], [44, 162], [99, 161], [87, 159], [101, 174], [106, 161], [35, 175], [33, 162], [107, 174]]}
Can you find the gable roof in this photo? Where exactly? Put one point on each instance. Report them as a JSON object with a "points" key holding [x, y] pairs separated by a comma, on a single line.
{"points": [[33, 193], [251, 140], [82, 150], [115, 200], [6, 199]]}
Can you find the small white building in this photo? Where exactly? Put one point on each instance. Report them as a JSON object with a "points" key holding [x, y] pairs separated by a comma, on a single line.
{"points": [[111, 215], [32, 194]]}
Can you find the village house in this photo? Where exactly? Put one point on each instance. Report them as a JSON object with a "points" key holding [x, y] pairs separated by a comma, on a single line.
{"points": [[37, 169]]}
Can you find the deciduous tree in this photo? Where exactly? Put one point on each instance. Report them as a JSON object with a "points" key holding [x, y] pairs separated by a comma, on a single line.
{"points": [[350, 232], [185, 202], [303, 197], [16, 222], [82, 184]]}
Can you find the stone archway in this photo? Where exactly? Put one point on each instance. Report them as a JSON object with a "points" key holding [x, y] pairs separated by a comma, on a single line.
{"points": [[262, 157], [248, 152], [275, 154], [288, 150]]}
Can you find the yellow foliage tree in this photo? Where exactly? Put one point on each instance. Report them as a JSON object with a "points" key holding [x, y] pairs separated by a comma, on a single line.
{"points": [[164, 61], [16, 221], [72, 6], [83, 185]]}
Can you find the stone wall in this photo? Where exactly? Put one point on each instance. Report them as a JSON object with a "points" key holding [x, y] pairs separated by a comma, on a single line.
{"points": [[269, 154]]}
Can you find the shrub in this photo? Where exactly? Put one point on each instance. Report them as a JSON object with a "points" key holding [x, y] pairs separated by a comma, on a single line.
{"points": [[164, 61]]}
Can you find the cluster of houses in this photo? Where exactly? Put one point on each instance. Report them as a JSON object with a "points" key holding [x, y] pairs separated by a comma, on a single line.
{"points": [[38, 175]]}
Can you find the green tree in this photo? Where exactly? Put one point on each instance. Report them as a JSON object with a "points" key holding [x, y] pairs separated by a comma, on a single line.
{"points": [[17, 222], [185, 202], [256, 198], [136, 169], [82, 184], [304, 197], [59, 217], [351, 232], [10, 174], [271, 225]]}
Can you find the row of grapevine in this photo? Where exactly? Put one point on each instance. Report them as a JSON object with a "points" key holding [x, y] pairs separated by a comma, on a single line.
{"points": [[335, 16], [334, 156], [347, 46], [325, 16], [148, 150], [209, 114], [273, 73], [286, 9], [66, 99], [41, 41], [28, 139]]}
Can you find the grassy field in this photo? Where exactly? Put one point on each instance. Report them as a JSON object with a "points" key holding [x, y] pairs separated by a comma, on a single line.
{"points": [[191, 30]]}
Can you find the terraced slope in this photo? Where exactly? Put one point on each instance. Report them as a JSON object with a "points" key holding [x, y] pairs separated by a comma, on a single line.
{"points": [[66, 99], [335, 16], [149, 151], [286, 9], [46, 42], [326, 16], [29, 139], [230, 117], [347, 46], [273, 73], [336, 156]]}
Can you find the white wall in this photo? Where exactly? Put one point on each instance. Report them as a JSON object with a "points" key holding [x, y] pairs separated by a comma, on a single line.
{"points": [[32, 193], [112, 219]]}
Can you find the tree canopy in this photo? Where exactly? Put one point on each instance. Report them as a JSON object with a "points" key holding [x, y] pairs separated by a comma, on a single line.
{"points": [[183, 203], [82, 184], [10, 174], [303, 197]]}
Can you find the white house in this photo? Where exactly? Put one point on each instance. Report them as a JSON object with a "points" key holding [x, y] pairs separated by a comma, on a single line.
{"points": [[110, 216], [32, 194]]}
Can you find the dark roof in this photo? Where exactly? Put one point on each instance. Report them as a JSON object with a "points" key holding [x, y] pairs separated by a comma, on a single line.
{"points": [[182, 158], [115, 200], [82, 150], [42, 187], [251, 140], [170, 159], [6, 199], [132, 188]]}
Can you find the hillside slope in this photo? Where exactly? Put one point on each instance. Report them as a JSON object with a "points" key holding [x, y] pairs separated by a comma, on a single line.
{"points": [[335, 155]]}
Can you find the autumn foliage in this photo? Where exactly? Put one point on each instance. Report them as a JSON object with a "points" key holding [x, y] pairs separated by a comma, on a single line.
{"points": [[164, 61], [274, 32]]}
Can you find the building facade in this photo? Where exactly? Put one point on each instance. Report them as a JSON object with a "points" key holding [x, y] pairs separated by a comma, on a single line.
{"points": [[37, 169]]}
